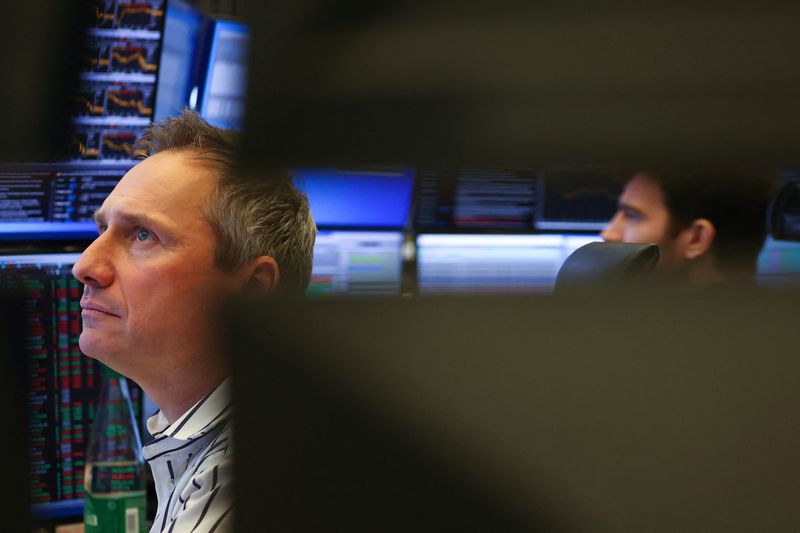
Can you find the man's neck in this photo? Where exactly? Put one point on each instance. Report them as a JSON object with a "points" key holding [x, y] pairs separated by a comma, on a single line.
{"points": [[174, 397]]}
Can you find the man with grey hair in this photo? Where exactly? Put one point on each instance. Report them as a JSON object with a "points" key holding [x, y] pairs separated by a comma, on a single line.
{"points": [[182, 231]]}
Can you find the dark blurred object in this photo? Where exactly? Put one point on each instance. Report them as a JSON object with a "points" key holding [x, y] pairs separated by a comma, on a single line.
{"points": [[523, 84], [626, 412], [42, 43], [13, 448], [784, 213], [602, 264]]}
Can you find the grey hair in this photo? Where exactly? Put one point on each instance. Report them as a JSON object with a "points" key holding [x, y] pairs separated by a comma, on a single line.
{"points": [[251, 216]]}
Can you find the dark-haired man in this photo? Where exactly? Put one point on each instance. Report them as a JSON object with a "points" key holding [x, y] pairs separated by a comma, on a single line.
{"points": [[710, 228], [182, 231]]}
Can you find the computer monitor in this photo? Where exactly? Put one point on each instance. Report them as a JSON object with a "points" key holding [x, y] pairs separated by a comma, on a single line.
{"points": [[47, 202], [61, 382], [475, 199], [183, 26], [370, 199], [779, 264], [222, 95], [577, 199], [118, 81], [357, 263], [491, 264]]}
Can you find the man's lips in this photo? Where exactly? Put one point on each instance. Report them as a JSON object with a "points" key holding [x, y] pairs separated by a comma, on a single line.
{"points": [[91, 306]]}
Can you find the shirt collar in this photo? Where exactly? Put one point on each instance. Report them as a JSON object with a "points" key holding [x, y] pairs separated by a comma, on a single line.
{"points": [[205, 415]]}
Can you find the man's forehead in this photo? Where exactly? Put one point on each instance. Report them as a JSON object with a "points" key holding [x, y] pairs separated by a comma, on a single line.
{"points": [[643, 192], [167, 178]]}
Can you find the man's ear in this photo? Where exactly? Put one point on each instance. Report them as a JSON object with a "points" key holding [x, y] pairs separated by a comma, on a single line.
{"points": [[260, 277], [699, 237]]}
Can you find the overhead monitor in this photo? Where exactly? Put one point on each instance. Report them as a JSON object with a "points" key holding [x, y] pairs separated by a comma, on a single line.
{"points": [[183, 25], [357, 199], [53, 202], [116, 97], [222, 96], [357, 263], [492, 264]]}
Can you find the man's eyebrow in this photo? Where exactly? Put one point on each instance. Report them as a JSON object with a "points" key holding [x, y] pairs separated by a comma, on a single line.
{"points": [[137, 219]]}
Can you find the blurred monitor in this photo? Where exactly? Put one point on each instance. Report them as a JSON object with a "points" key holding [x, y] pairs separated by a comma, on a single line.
{"points": [[779, 263], [222, 95], [357, 199], [488, 264], [183, 25], [53, 201], [61, 382], [577, 200], [115, 99], [474, 199], [357, 263]]}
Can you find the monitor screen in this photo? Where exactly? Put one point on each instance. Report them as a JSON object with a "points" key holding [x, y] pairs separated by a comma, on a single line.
{"points": [[474, 264], [582, 199], [475, 200], [223, 92], [62, 382], [53, 202], [355, 199], [357, 263], [118, 82], [779, 263], [182, 28]]}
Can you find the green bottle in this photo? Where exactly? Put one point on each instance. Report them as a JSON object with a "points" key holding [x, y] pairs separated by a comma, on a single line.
{"points": [[114, 483]]}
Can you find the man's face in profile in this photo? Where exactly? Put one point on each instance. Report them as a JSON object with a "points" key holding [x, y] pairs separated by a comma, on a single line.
{"points": [[642, 217], [151, 286]]}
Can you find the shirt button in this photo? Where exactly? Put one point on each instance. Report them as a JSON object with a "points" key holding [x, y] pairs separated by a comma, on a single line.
{"points": [[170, 485]]}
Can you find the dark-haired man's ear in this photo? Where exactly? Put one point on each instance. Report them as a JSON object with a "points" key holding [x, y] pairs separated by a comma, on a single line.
{"points": [[699, 237], [261, 277]]}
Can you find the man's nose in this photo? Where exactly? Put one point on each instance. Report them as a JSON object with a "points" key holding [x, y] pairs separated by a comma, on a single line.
{"points": [[613, 231], [93, 267]]}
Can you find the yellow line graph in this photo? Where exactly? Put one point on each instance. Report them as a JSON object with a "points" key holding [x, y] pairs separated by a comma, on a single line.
{"points": [[138, 10], [119, 147], [103, 16], [138, 56], [90, 107], [112, 96]]}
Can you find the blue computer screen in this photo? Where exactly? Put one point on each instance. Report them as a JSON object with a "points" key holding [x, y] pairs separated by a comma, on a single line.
{"points": [[357, 199], [183, 25], [225, 81]]}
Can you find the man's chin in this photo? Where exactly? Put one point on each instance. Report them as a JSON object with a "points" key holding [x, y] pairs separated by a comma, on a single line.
{"points": [[94, 347]]}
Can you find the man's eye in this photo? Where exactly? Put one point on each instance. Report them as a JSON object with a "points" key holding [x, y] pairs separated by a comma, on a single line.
{"points": [[631, 214], [143, 235], [101, 228]]}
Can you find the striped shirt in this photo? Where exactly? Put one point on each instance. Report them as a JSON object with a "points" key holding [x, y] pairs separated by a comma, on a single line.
{"points": [[192, 464]]}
